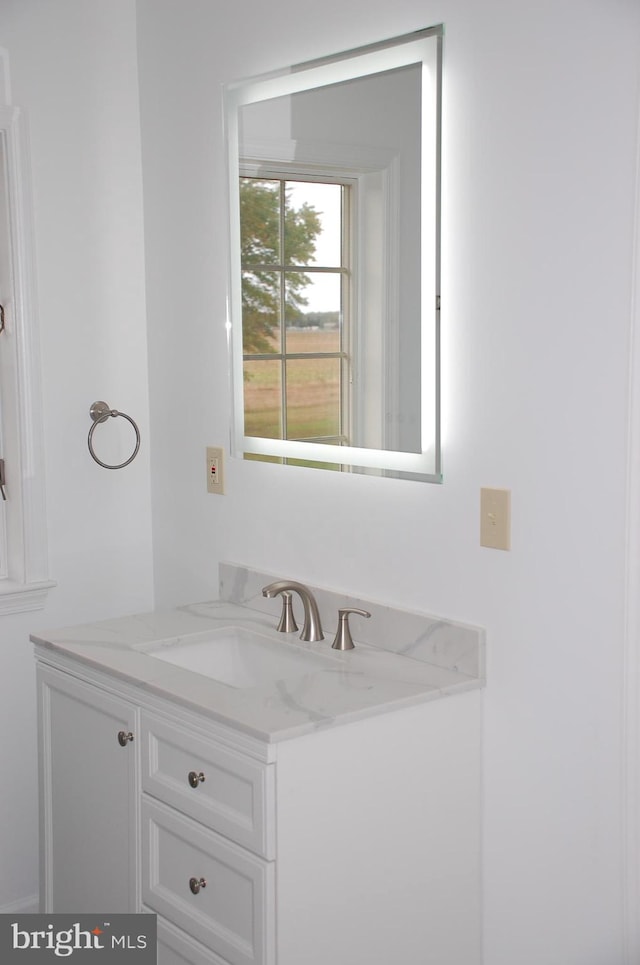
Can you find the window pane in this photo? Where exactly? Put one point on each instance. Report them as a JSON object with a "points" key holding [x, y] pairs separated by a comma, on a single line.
{"points": [[259, 221], [313, 224], [322, 313], [308, 340], [263, 399], [313, 398], [260, 312]]}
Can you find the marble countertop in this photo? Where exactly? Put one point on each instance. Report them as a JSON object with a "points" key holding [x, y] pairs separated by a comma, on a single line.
{"points": [[355, 684]]}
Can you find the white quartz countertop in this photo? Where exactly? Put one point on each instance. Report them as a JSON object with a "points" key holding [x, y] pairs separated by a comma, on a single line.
{"points": [[355, 684]]}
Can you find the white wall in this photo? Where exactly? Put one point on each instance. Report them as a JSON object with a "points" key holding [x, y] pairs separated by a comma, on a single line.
{"points": [[539, 154], [74, 72]]}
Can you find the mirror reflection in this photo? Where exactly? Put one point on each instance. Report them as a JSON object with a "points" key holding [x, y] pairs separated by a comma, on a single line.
{"points": [[331, 177], [293, 314]]}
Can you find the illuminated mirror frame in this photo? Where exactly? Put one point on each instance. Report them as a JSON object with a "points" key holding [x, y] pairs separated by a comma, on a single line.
{"points": [[425, 48]]}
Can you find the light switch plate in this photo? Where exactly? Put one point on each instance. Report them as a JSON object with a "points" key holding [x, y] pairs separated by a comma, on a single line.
{"points": [[495, 518]]}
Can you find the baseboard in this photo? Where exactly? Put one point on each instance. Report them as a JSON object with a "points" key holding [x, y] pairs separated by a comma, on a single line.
{"points": [[23, 906]]}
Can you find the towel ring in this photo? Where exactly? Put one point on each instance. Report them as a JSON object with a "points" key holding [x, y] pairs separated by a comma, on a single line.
{"points": [[100, 412]]}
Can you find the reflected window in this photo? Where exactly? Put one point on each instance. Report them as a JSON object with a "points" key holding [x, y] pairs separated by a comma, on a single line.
{"points": [[295, 257]]}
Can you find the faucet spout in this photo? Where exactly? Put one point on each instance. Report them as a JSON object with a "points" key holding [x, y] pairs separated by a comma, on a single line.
{"points": [[312, 629]]}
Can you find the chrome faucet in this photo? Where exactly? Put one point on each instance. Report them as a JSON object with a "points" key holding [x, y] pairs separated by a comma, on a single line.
{"points": [[312, 629]]}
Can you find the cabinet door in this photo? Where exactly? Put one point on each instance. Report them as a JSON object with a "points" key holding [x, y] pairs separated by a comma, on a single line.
{"points": [[87, 791]]}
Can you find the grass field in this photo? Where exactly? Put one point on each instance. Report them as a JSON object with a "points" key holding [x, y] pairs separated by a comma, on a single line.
{"points": [[313, 390]]}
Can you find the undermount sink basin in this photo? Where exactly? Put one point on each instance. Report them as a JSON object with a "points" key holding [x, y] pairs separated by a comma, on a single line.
{"points": [[241, 658]]}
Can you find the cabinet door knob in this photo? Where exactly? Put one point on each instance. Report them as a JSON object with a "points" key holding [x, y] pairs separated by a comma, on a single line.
{"points": [[124, 738], [196, 884], [195, 778]]}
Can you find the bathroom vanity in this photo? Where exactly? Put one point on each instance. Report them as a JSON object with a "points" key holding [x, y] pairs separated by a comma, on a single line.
{"points": [[328, 812]]}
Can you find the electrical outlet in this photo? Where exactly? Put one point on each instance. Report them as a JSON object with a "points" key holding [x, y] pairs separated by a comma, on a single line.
{"points": [[215, 470], [495, 518]]}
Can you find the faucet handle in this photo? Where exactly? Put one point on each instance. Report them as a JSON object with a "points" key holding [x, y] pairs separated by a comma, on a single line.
{"points": [[343, 640], [287, 620]]}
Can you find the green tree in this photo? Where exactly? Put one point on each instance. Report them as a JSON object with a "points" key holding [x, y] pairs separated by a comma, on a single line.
{"points": [[260, 207]]}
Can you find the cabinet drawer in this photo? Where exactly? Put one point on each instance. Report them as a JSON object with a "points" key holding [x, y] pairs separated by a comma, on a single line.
{"points": [[223, 790], [175, 947], [233, 912]]}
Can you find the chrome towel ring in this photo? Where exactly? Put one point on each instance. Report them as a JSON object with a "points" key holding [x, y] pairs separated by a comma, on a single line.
{"points": [[100, 412]]}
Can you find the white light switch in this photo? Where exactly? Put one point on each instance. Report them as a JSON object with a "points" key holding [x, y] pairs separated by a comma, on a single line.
{"points": [[495, 518]]}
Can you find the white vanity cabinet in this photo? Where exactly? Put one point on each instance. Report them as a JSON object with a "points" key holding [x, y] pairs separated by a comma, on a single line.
{"points": [[355, 844], [140, 813]]}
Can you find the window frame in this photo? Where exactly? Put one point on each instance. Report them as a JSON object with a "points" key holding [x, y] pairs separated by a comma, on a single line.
{"points": [[373, 285], [283, 174]]}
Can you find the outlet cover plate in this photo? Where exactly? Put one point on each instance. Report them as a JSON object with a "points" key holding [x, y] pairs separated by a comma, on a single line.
{"points": [[215, 470]]}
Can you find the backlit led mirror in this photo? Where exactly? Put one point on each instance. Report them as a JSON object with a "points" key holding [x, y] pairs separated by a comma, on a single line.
{"points": [[334, 303]]}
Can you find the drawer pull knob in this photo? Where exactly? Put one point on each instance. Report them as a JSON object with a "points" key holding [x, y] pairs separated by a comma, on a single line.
{"points": [[196, 884], [124, 738], [195, 778]]}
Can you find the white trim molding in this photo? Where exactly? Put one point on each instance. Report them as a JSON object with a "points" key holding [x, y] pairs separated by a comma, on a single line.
{"points": [[631, 723], [26, 577], [21, 597]]}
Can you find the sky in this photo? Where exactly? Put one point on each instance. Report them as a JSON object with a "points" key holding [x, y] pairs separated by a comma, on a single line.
{"points": [[323, 293]]}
